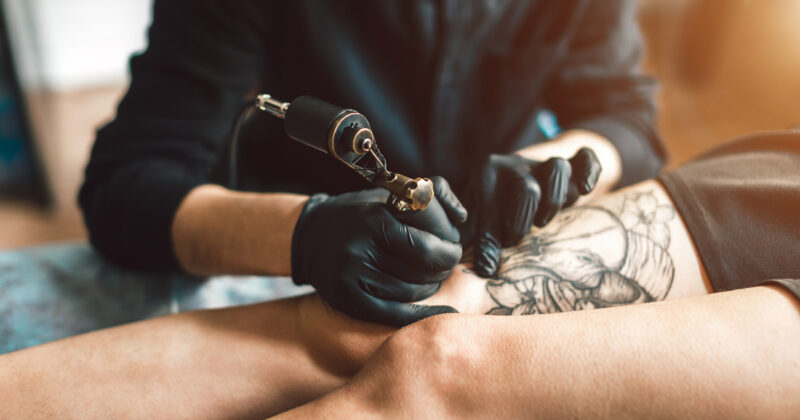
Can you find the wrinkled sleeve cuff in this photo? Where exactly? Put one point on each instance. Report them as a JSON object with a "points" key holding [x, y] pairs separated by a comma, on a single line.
{"points": [[131, 217]]}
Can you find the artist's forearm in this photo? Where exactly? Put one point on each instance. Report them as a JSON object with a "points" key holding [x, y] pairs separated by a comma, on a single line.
{"points": [[569, 142], [218, 231], [733, 354]]}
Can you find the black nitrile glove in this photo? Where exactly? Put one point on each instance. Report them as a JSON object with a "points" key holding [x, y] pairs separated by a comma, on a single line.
{"points": [[367, 264], [512, 193]]}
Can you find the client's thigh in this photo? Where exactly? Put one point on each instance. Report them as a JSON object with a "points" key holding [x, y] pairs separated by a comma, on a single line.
{"points": [[630, 246]]}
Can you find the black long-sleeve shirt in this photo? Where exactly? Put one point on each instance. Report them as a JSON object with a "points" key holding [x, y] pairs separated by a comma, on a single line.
{"points": [[443, 83]]}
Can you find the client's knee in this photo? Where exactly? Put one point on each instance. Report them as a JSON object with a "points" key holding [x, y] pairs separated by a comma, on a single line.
{"points": [[425, 360], [337, 343]]}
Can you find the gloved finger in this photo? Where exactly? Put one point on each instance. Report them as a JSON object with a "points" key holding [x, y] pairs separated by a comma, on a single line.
{"points": [[468, 232], [449, 201], [372, 195], [433, 220], [520, 206], [387, 287], [397, 314], [484, 194], [572, 195], [417, 247], [586, 169], [553, 176], [401, 270], [487, 255]]}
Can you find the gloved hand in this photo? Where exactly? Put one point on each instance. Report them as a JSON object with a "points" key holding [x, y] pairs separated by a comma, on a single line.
{"points": [[367, 264], [512, 193]]}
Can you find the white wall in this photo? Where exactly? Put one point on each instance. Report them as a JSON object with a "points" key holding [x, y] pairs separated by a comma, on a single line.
{"points": [[72, 44]]}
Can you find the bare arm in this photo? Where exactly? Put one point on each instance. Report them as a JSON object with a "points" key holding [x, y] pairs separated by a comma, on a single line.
{"points": [[732, 354], [219, 231]]}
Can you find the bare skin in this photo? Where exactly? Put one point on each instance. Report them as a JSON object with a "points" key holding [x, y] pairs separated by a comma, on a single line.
{"points": [[219, 231], [726, 355], [263, 359]]}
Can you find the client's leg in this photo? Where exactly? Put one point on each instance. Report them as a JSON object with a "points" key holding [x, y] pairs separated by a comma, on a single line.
{"points": [[727, 355], [731, 354], [239, 362], [625, 248]]}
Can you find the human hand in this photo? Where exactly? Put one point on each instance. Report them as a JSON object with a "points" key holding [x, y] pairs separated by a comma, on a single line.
{"points": [[512, 193], [366, 263]]}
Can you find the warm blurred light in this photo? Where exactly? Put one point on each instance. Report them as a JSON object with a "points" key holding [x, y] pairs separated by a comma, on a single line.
{"points": [[727, 67]]}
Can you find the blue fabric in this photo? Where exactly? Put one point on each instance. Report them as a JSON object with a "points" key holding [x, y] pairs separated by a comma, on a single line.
{"points": [[57, 291]]}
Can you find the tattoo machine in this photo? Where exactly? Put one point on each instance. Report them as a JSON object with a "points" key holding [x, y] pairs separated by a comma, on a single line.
{"points": [[346, 135]]}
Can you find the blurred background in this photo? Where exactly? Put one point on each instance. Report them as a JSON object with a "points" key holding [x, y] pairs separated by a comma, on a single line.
{"points": [[726, 67]]}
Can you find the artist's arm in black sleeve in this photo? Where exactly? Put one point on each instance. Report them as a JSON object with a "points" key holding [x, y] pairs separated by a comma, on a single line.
{"points": [[598, 87], [202, 59]]}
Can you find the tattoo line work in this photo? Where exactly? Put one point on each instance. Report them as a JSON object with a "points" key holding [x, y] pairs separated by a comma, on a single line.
{"points": [[589, 257]]}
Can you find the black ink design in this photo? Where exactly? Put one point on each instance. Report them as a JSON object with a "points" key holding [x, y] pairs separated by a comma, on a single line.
{"points": [[589, 257]]}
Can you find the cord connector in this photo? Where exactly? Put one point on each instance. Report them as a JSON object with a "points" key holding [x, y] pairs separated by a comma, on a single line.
{"points": [[267, 103]]}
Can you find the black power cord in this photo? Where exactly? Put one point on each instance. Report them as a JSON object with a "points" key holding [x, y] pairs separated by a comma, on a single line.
{"points": [[233, 143]]}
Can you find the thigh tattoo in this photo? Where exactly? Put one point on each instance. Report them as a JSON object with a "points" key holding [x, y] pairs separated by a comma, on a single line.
{"points": [[589, 257]]}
